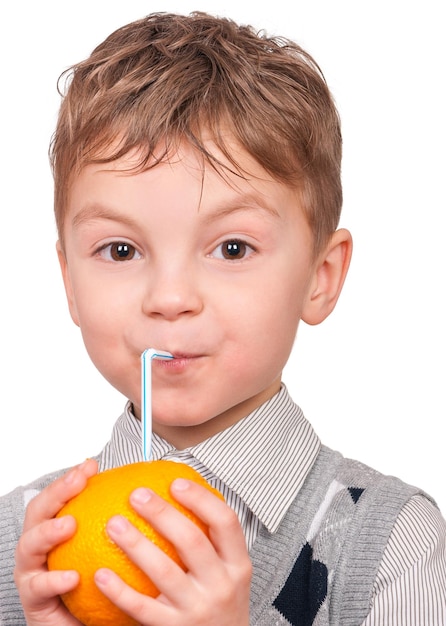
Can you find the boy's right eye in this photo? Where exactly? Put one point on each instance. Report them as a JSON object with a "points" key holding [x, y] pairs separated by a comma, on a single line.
{"points": [[119, 251]]}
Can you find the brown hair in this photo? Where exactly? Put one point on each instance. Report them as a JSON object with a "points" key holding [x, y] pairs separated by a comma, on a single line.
{"points": [[167, 78]]}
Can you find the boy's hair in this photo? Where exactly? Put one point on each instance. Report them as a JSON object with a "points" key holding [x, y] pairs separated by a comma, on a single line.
{"points": [[168, 78]]}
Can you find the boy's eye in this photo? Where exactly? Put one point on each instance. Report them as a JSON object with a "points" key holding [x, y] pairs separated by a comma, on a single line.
{"points": [[232, 249], [119, 251]]}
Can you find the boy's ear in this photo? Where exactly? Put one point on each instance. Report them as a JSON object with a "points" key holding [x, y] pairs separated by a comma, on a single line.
{"points": [[328, 278], [67, 283]]}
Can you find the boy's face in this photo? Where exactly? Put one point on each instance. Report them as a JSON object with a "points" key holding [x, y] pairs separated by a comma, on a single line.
{"points": [[216, 270]]}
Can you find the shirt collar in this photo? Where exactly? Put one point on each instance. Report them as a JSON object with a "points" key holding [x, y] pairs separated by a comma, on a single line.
{"points": [[264, 458]]}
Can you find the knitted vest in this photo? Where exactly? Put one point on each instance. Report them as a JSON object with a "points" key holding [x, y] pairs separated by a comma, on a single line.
{"points": [[318, 569]]}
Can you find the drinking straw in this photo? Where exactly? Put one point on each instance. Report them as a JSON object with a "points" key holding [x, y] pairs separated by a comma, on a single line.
{"points": [[146, 397]]}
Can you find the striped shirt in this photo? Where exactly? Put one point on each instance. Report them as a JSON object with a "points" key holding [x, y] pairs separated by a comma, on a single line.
{"points": [[259, 465]]}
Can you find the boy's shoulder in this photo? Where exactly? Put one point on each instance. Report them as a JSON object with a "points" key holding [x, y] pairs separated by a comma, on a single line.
{"points": [[343, 486], [17, 500], [14, 503], [356, 506], [328, 551]]}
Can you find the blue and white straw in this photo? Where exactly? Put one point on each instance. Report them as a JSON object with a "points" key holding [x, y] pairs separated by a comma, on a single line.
{"points": [[146, 397]]}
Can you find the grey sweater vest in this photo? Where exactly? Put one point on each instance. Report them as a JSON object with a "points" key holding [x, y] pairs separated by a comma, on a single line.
{"points": [[318, 569], [320, 566]]}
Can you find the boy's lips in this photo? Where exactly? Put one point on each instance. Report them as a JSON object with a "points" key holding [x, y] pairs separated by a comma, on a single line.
{"points": [[186, 355], [180, 360]]}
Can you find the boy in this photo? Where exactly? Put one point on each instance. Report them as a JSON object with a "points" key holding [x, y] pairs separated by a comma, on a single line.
{"points": [[197, 199]]}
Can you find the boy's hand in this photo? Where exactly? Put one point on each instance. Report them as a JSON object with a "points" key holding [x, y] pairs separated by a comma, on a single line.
{"points": [[38, 588], [215, 589]]}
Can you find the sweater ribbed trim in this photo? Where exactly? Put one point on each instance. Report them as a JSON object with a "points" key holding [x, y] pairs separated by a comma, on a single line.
{"points": [[368, 534]]}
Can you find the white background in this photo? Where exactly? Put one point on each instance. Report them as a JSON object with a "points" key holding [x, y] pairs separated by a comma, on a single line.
{"points": [[371, 378]]}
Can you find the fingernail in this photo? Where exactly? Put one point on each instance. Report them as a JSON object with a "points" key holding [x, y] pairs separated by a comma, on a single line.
{"points": [[180, 484], [68, 478], [118, 524], [59, 522], [102, 577], [141, 495], [69, 575]]}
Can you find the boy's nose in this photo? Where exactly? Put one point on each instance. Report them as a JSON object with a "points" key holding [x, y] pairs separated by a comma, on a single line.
{"points": [[172, 296]]}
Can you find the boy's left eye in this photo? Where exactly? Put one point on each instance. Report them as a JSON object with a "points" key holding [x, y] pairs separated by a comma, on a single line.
{"points": [[233, 250], [119, 251]]}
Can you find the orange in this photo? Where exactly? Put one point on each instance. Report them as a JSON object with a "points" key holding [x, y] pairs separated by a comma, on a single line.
{"points": [[105, 495]]}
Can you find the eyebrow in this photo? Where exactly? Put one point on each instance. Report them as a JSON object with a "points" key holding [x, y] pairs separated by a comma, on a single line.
{"points": [[244, 202], [96, 211]]}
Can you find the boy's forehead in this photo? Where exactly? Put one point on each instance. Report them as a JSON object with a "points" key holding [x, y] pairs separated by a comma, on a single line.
{"points": [[231, 165], [185, 177]]}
